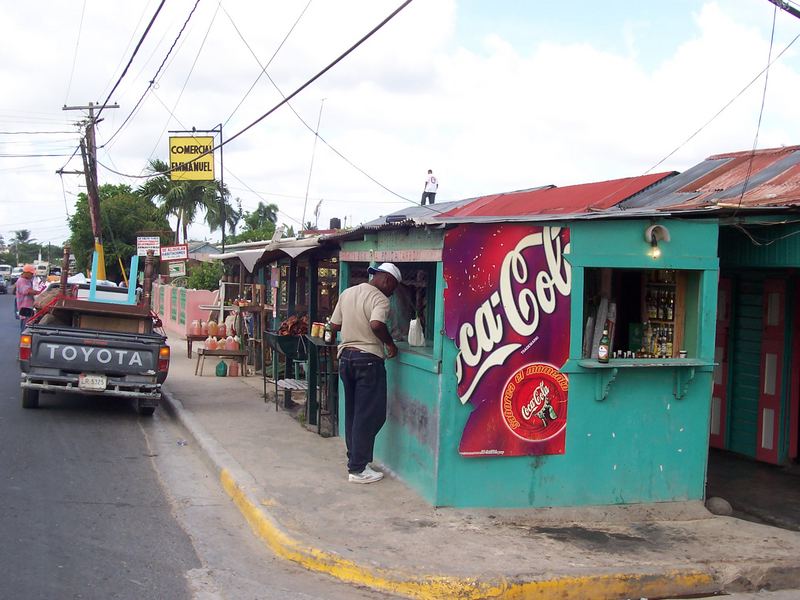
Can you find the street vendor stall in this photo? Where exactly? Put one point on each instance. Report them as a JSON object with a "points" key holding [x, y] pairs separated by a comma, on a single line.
{"points": [[506, 404]]}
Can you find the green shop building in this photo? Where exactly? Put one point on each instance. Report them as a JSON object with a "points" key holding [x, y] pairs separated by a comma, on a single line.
{"points": [[754, 196], [506, 403]]}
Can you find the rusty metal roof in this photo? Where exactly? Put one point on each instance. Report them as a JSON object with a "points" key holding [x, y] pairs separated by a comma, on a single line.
{"points": [[551, 200], [741, 180]]}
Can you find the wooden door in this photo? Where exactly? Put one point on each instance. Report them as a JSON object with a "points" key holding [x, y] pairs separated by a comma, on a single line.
{"points": [[770, 380], [719, 395]]}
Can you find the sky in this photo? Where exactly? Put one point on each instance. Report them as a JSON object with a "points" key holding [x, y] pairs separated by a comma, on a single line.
{"points": [[492, 96]]}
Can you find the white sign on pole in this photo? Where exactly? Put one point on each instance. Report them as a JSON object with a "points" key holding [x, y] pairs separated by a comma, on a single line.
{"points": [[177, 269], [145, 243], [179, 252]]}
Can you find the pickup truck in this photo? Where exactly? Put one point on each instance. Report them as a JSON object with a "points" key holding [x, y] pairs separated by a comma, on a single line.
{"points": [[94, 347]]}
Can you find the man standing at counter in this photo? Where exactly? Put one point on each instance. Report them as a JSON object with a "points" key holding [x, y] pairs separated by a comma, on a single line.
{"points": [[361, 314]]}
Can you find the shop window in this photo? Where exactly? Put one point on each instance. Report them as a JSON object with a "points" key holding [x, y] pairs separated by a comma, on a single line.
{"points": [[327, 286], [414, 298], [649, 313]]}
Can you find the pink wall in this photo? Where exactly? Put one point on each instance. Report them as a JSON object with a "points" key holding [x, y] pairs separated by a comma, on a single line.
{"points": [[177, 321]]}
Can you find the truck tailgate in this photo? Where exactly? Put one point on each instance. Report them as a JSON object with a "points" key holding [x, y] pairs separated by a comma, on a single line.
{"points": [[82, 350]]}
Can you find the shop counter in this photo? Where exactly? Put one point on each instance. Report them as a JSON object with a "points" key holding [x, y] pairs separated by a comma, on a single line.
{"points": [[420, 357], [606, 373]]}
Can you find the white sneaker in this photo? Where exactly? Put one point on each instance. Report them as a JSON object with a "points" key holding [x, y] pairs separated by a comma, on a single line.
{"points": [[368, 475]]}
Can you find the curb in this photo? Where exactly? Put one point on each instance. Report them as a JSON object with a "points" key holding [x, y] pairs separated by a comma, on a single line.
{"points": [[244, 492]]}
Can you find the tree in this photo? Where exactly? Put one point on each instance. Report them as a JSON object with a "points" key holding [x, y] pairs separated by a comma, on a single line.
{"points": [[124, 215], [259, 224], [23, 247], [204, 276], [185, 200]]}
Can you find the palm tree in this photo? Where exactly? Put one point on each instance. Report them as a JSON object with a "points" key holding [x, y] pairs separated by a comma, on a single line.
{"points": [[263, 214], [185, 200]]}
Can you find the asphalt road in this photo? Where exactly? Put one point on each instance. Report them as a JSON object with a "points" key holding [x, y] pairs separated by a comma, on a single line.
{"points": [[98, 503], [83, 514]]}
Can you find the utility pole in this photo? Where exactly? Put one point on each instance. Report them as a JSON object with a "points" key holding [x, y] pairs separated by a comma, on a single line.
{"points": [[89, 155], [787, 7]]}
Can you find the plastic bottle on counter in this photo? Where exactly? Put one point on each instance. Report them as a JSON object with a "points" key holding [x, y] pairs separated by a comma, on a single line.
{"points": [[230, 344], [203, 328], [221, 330], [194, 329], [213, 328]]}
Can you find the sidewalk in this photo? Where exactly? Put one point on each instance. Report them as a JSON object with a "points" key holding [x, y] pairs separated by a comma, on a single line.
{"points": [[291, 485]]}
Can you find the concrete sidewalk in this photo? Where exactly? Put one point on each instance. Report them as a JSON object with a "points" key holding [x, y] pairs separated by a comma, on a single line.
{"points": [[291, 485]]}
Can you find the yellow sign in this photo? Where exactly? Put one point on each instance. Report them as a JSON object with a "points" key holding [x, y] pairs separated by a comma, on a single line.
{"points": [[184, 161]]}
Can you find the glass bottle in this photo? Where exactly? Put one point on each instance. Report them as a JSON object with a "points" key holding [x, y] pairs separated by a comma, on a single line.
{"points": [[328, 336], [603, 348]]}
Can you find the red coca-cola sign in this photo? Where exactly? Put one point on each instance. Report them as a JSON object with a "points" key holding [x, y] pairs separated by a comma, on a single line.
{"points": [[507, 308], [534, 402]]}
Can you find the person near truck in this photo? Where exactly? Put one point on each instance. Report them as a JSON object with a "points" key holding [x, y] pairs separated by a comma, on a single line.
{"points": [[24, 293], [361, 314]]}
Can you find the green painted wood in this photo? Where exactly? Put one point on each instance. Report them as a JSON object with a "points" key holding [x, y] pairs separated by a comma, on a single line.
{"points": [[639, 445], [745, 363], [780, 245]]}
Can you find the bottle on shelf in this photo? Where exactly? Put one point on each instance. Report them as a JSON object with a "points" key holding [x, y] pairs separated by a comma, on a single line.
{"points": [[671, 307], [603, 347], [328, 335]]}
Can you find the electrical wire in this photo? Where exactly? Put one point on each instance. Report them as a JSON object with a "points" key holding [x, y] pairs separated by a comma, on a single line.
{"points": [[64, 193], [315, 131], [285, 100], [760, 112], [724, 108], [271, 58], [35, 132], [153, 80], [185, 82], [75, 53], [135, 51]]}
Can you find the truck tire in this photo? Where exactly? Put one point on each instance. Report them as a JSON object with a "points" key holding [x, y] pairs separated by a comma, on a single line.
{"points": [[145, 411], [30, 398]]}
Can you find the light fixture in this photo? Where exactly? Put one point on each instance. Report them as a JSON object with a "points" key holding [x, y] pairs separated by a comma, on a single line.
{"points": [[652, 235], [655, 251]]}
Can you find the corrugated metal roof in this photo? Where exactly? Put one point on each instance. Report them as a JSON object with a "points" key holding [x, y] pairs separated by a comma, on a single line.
{"points": [[769, 178], [562, 201]]}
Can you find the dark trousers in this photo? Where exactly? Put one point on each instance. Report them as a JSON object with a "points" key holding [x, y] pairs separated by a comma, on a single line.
{"points": [[363, 377], [431, 196]]}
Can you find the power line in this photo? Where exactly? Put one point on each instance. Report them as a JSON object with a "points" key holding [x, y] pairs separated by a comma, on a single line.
{"points": [[135, 51], [153, 80], [36, 132], [724, 108], [271, 58], [185, 83], [75, 53], [290, 96], [761, 110]]}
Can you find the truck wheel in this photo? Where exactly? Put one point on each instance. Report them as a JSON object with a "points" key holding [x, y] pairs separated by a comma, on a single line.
{"points": [[30, 398], [145, 411]]}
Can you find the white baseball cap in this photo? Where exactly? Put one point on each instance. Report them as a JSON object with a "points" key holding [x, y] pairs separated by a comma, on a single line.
{"points": [[387, 268]]}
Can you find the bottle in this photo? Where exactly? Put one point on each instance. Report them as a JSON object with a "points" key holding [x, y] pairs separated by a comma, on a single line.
{"points": [[329, 332], [671, 307], [602, 348]]}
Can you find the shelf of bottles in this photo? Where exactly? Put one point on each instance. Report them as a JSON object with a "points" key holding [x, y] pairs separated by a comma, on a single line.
{"points": [[660, 303]]}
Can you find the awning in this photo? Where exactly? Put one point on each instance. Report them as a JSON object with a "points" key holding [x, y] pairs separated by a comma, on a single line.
{"points": [[249, 258]]}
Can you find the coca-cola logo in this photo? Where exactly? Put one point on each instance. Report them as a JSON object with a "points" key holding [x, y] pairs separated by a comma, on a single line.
{"points": [[534, 402], [519, 303]]}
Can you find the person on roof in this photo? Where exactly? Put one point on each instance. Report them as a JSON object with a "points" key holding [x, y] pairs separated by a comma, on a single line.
{"points": [[431, 187]]}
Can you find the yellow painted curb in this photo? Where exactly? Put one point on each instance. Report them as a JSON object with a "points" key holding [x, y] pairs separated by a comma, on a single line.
{"points": [[596, 587]]}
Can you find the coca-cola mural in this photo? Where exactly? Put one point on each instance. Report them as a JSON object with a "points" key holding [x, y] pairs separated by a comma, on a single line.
{"points": [[507, 308]]}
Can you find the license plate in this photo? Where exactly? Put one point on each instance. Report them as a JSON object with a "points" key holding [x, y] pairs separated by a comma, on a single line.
{"points": [[95, 383]]}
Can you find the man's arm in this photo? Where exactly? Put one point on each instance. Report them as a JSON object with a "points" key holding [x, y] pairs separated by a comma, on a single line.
{"points": [[382, 333]]}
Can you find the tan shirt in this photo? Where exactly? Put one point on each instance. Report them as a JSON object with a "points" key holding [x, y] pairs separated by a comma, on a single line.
{"points": [[358, 306]]}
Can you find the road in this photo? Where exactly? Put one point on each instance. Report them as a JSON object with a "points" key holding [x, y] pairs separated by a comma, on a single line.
{"points": [[100, 503]]}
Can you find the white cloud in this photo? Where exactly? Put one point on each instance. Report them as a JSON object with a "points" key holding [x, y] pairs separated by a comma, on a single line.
{"points": [[486, 118]]}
